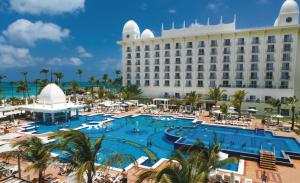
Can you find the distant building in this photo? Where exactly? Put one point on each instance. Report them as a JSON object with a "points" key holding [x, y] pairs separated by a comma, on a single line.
{"points": [[263, 61]]}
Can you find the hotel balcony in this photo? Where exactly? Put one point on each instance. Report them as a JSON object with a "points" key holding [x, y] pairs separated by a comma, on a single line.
{"points": [[239, 69], [288, 39], [178, 55], [285, 68], [270, 69], [269, 77], [225, 77], [270, 50], [253, 77], [255, 41], [239, 77], [227, 52], [285, 78], [287, 49]]}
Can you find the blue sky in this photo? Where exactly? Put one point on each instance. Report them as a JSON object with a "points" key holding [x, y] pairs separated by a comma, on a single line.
{"points": [[65, 35]]}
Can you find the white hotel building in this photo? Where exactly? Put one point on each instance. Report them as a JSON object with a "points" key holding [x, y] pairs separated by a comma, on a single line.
{"points": [[263, 61]]}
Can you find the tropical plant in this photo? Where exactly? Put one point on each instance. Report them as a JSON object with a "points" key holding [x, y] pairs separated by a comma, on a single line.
{"points": [[74, 88], [130, 92], [216, 94], [45, 72], [237, 100], [22, 87], [293, 101], [224, 108], [59, 76], [25, 74], [2, 77], [276, 103], [35, 152], [192, 98], [79, 72], [12, 87], [36, 82], [92, 80]]}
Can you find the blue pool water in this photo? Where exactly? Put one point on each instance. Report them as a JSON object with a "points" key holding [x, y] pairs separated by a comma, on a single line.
{"points": [[239, 140]]}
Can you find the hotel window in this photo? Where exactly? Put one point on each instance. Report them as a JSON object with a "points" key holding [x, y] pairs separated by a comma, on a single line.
{"points": [[271, 39], [167, 83], [156, 83], [177, 76], [177, 53], [147, 55], [201, 44], [177, 68], [255, 49], [188, 83], [213, 59], [254, 67], [177, 61], [188, 76], [287, 47], [177, 95], [285, 67], [225, 84], [128, 76], [200, 60], [241, 50], [270, 58], [285, 76], [268, 84], [253, 75], [137, 55], [200, 76], [271, 48], [156, 54], [147, 76], [128, 56], [226, 58], [189, 53], [200, 67], [226, 51], [147, 48], [167, 54], [177, 83], [138, 76], [239, 84], [147, 83], [213, 51], [156, 76], [227, 42], [213, 43], [167, 46], [200, 83], [147, 62], [269, 67], [156, 61], [288, 38], [269, 75], [157, 47], [178, 46], [138, 69], [253, 84], [255, 40], [128, 62], [138, 83], [147, 69], [284, 84], [189, 45], [128, 69], [212, 84], [239, 75], [128, 82], [167, 76], [189, 68], [138, 62], [189, 60], [241, 41], [137, 48], [239, 67], [226, 67], [240, 58], [167, 61], [225, 75], [201, 52], [156, 69], [286, 57], [213, 68], [167, 68], [254, 58], [212, 75], [128, 49]]}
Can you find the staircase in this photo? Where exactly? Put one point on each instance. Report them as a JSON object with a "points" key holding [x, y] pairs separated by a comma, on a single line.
{"points": [[267, 160]]}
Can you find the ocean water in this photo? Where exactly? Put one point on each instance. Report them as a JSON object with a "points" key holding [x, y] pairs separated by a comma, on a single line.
{"points": [[11, 91]]}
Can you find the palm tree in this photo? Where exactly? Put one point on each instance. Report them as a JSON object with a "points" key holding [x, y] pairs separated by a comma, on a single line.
{"points": [[118, 73], [59, 76], [25, 74], [22, 88], [293, 101], [12, 87], [92, 80], [276, 103], [79, 72], [224, 108], [74, 87], [237, 100], [192, 98], [36, 82], [2, 77], [130, 92], [36, 153], [45, 72], [216, 94]]}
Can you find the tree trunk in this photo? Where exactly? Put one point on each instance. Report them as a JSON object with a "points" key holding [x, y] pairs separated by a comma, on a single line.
{"points": [[89, 176], [19, 166], [293, 118], [41, 176]]}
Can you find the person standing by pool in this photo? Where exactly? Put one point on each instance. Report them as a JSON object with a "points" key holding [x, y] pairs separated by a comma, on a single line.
{"points": [[124, 176], [264, 177]]}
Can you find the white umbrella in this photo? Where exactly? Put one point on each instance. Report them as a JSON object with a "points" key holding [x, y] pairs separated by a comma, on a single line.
{"points": [[231, 108], [222, 156], [232, 112], [152, 106], [252, 110], [217, 112], [277, 116]]}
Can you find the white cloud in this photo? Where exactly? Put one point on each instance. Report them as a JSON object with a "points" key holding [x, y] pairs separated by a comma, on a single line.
{"points": [[23, 31], [72, 61], [11, 57], [172, 11], [212, 6], [216, 5], [83, 53], [51, 7]]}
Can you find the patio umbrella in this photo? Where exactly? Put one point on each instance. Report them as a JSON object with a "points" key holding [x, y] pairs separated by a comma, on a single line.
{"points": [[152, 106], [217, 112], [232, 112], [252, 110], [231, 108], [277, 116]]}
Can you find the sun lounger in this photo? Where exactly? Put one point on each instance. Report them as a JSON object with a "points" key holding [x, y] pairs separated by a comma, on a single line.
{"points": [[248, 181]]}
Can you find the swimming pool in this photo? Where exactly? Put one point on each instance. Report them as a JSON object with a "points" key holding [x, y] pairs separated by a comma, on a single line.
{"points": [[236, 141]]}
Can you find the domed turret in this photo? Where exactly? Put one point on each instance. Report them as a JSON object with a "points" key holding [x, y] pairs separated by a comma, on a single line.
{"points": [[52, 94], [289, 14], [131, 31], [147, 34]]}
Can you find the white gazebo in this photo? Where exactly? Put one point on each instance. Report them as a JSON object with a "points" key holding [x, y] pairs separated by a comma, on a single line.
{"points": [[161, 102], [52, 105]]}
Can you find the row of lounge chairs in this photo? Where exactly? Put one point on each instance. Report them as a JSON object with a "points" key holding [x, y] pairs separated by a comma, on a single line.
{"points": [[7, 170], [225, 178], [234, 123]]}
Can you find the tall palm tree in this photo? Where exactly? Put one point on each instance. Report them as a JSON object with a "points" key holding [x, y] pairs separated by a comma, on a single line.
{"points": [[36, 153], [2, 77], [79, 72], [12, 87], [74, 88], [276, 103], [22, 87], [118, 73], [45, 72], [37, 83], [59, 76], [92, 80], [237, 100], [130, 92], [293, 101], [25, 74], [192, 98], [216, 94]]}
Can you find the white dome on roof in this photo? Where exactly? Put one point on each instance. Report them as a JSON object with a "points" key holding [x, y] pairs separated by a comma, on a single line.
{"points": [[131, 27], [52, 94], [289, 6], [276, 22], [147, 34]]}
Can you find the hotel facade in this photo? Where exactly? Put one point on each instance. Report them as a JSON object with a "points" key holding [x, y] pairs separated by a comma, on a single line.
{"points": [[263, 61]]}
